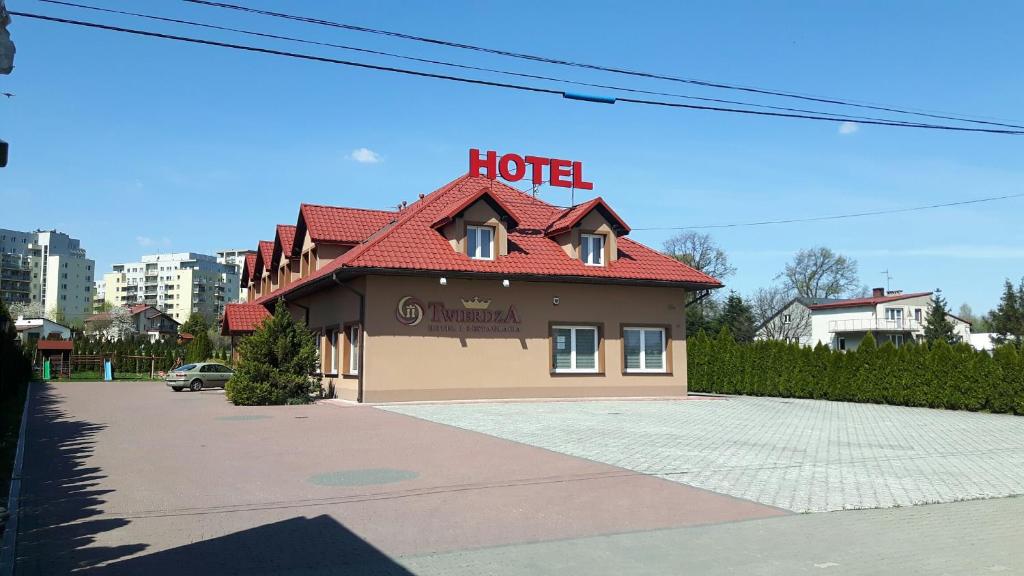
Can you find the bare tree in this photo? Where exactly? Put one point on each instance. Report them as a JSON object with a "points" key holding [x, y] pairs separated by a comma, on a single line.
{"points": [[820, 273], [699, 251], [776, 323]]}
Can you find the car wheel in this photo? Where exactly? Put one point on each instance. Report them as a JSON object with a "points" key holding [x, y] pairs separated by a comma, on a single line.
{"points": [[196, 385], [176, 388]]}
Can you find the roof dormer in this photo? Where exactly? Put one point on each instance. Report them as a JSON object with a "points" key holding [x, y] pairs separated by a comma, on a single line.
{"points": [[589, 232], [478, 226]]}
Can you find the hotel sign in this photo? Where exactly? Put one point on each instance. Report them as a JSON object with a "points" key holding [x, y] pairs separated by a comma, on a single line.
{"points": [[475, 315], [513, 168]]}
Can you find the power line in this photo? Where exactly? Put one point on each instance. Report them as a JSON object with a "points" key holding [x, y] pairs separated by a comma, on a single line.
{"points": [[837, 216], [521, 87], [556, 61], [843, 117]]}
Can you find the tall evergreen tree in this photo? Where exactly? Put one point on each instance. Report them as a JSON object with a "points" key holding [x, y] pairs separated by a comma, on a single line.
{"points": [[937, 325], [738, 318], [1007, 320]]}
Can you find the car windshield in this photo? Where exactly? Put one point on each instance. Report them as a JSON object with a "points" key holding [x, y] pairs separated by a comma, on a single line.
{"points": [[184, 368]]}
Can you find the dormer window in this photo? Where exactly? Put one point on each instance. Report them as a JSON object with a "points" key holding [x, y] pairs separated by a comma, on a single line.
{"points": [[592, 249], [480, 242]]}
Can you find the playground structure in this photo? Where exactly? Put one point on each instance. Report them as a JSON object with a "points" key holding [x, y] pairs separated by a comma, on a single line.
{"points": [[66, 365]]}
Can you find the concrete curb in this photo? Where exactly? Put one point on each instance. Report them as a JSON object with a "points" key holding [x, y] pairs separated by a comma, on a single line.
{"points": [[8, 550]]}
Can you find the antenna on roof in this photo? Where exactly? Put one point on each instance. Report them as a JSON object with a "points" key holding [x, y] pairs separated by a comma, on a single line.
{"points": [[888, 278]]}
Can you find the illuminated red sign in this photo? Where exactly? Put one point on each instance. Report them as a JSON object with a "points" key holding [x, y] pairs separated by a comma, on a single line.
{"points": [[513, 168]]}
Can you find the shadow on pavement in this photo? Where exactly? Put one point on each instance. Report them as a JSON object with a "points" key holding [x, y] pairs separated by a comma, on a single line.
{"points": [[318, 545], [59, 493]]}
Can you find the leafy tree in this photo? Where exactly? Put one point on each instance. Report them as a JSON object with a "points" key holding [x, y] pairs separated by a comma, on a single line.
{"points": [[30, 310], [195, 324], [937, 326], [276, 363], [820, 273], [738, 318], [1008, 318], [15, 367]]}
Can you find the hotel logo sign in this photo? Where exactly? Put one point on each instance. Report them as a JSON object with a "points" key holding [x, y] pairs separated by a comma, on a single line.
{"points": [[409, 311], [476, 315]]}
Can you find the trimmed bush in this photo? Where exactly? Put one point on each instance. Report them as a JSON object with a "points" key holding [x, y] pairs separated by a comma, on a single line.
{"points": [[954, 377]]}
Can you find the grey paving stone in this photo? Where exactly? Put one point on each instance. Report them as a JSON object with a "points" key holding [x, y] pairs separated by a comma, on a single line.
{"points": [[801, 455]]}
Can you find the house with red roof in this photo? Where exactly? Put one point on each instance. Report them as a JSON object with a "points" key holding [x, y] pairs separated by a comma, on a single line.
{"points": [[140, 319], [842, 323], [478, 290]]}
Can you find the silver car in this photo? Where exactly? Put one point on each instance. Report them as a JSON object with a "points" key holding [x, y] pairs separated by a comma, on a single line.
{"points": [[197, 376]]}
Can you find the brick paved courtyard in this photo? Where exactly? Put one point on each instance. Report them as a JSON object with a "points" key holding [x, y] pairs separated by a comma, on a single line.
{"points": [[800, 455]]}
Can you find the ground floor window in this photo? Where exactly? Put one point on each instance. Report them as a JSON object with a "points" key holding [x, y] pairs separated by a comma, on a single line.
{"points": [[644, 349], [352, 335], [896, 339], [574, 349]]}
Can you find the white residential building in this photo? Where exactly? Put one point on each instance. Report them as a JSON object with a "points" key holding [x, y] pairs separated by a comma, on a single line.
{"points": [[179, 284], [841, 324], [48, 268], [236, 258], [34, 329]]}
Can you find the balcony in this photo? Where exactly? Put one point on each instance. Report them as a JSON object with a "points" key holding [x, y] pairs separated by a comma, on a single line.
{"points": [[874, 325]]}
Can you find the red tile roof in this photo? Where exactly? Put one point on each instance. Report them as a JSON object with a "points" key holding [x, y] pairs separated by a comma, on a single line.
{"points": [[337, 225], [248, 268], [483, 193], [286, 235], [870, 301], [266, 250], [411, 243], [242, 318], [572, 216], [55, 345]]}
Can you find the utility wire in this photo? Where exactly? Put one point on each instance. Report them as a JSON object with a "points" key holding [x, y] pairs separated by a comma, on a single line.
{"points": [[837, 216], [843, 117], [549, 60], [521, 87]]}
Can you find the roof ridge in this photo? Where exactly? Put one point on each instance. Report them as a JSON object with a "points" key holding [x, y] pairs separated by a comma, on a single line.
{"points": [[304, 204]]}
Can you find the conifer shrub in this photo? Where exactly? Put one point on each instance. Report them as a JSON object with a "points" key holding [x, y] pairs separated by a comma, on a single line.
{"points": [[954, 377], [276, 364]]}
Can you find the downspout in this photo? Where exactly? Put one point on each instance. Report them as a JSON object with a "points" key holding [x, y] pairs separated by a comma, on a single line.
{"points": [[362, 331]]}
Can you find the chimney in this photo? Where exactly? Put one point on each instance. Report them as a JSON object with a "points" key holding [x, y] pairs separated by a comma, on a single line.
{"points": [[877, 292]]}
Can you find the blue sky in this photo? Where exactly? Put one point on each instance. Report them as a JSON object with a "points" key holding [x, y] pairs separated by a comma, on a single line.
{"points": [[139, 145]]}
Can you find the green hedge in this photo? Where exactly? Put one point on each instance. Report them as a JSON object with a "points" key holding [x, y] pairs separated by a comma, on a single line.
{"points": [[941, 376]]}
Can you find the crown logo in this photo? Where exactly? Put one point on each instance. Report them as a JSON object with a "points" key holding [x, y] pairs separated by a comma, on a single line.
{"points": [[476, 303]]}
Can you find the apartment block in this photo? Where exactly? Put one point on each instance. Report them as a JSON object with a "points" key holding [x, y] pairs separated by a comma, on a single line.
{"points": [[236, 258], [48, 268], [179, 284]]}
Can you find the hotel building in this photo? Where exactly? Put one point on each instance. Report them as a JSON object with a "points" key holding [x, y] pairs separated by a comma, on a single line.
{"points": [[477, 291]]}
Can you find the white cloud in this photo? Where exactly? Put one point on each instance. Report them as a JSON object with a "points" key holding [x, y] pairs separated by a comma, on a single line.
{"points": [[365, 156], [147, 242], [848, 127]]}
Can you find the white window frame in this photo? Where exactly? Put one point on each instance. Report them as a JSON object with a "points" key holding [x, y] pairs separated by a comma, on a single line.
{"points": [[897, 339], [476, 230], [643, 350], [897, 314], [589, 239], [787, 318], [332, 340], [572, 350], [354, 333]]}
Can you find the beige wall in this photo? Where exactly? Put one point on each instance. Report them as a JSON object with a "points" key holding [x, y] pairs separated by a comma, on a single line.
{"points": [[417, 363], [331, 309]]}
